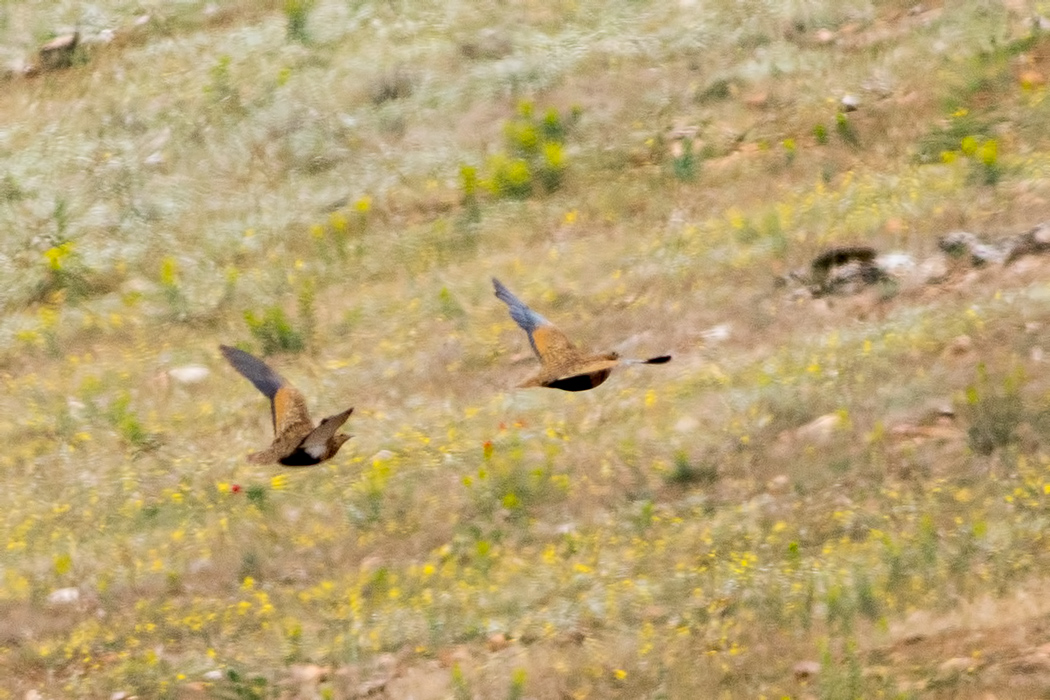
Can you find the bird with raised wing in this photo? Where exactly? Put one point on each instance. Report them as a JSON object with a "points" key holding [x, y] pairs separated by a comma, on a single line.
{"points": [[297, 442], [562, 364]]}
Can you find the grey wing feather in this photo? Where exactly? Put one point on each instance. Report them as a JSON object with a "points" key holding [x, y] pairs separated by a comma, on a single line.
{"points": [[254, 370], [525, 317]]}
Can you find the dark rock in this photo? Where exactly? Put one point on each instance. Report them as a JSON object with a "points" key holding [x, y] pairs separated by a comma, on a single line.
{"points": [[58, 53]]}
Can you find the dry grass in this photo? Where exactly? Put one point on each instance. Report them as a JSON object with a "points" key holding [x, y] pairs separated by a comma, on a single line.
{"points": [[673, 534]]}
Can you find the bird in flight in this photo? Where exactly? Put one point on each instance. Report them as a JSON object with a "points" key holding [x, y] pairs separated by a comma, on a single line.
{"points": [[562, 364], [296, 442]]}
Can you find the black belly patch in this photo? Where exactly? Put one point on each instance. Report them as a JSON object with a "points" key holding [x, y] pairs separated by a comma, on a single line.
{"points": [[300, 458], [580, 382]]}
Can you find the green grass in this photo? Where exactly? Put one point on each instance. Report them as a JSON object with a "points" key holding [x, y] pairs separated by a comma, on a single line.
{"points": [[333, 184]]}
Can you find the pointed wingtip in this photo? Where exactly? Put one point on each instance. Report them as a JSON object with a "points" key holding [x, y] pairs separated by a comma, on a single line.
{"points": [[659, 360], [230, 352]]}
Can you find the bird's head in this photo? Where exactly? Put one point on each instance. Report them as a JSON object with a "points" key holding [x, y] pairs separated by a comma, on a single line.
{"points": [[337, 441], [611, 356]]}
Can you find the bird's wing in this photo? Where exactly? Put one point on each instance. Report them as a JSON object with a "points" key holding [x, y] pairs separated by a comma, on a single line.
{"points": [[316, 443], [548, 342], [596, 364], [287, 406]]}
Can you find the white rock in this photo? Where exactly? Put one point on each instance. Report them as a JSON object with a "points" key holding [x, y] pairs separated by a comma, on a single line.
{"points": [[820, 430], [64, 596], [895, 263], [686, 424], [189, 374], [933, 270], [717, 333]]}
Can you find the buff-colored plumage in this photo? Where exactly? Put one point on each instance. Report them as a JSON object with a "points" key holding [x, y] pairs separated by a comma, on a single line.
{"points": [[562, 364], [296, 442]]}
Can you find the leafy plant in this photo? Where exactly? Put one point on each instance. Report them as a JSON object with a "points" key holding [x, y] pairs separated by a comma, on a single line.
{"points": [[684, 161], [684, 473], [242, 686], [178, 306], [274, 331], [296, 13], [994, 411], [846, 131], [948, 136], [533, 162], [129, 426]]}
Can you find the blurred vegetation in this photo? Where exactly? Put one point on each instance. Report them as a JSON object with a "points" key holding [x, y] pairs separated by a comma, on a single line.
{"points": [[838, 497]]}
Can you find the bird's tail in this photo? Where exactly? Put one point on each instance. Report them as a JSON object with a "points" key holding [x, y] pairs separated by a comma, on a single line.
{"points": [[658, 360]]}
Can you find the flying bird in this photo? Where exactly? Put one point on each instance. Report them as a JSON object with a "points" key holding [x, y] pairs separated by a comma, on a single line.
{"points": [[562, 364], [297, 442]]}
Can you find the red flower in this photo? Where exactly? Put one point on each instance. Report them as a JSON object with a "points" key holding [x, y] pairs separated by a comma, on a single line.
{"points": [[236, 488]]}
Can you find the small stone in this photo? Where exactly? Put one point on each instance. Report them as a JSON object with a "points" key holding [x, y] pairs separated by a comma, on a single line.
{"points": [[780, 483], [805, 670], [309, 674], [58, 53], [895, 264], [189, 374], [959, 346], [213, 675], [64, 596], [820, 430], [497, 642], [1033, 242], [716, 334], [965, 244], [850, 103], [686, 424], [382, 456], [370, 564], [933, 270], [824, 36]]}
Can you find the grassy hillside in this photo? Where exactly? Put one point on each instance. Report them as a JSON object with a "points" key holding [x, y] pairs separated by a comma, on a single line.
{"points": [[833, 497]]}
